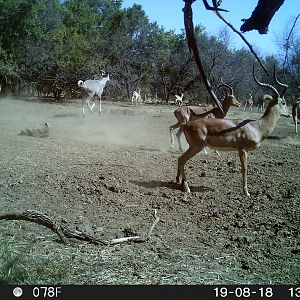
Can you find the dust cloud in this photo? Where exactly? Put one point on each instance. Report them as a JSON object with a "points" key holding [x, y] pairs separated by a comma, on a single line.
{"points": [[117, 125]]}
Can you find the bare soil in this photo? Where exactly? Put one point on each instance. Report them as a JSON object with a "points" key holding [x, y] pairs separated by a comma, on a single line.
{"points": [[106, 175]]}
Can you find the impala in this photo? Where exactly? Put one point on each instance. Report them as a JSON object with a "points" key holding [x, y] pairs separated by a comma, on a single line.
{"points": [[231, 135], [249, 102], [261, 102], [188, 113]]}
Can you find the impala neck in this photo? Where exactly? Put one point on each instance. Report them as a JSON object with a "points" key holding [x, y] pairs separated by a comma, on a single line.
{"points": [[268, 121], [217, 111]]}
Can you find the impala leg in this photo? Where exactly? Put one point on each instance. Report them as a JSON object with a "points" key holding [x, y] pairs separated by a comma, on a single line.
{"points": [[295, 120], [244, 165], [178, 134], [192, 151]]}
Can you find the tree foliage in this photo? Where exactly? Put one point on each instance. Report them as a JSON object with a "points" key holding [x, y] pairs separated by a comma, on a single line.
{"points": [[47, 46]]}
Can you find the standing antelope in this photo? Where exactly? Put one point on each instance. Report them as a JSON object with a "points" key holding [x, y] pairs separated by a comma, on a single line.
{"points": [[92, 88], [231, 135], [262, 101], [188, 113], [178, 99], [249, 102], [136, 97], [296, 114]]}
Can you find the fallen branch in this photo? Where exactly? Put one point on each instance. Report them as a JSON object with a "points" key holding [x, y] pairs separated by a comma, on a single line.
{"points": [[64, 233], [38, 218]]}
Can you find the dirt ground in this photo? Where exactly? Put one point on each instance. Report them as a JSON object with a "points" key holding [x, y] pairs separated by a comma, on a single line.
{"points": [[107, 175]]}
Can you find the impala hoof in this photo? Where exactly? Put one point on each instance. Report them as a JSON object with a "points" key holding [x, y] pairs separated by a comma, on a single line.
{"points": [[185, 187], [177, 180], [247, 193]]}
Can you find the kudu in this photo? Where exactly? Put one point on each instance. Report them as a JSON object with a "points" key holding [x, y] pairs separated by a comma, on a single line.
{"points": [[91, 88]]}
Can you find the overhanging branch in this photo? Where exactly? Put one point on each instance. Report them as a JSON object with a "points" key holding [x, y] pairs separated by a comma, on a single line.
{"points": [[261, 16], [192, 44], [242, 37]]}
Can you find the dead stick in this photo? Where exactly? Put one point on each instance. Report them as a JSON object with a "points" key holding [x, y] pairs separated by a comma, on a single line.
{"points": [[154, 224], [137, 239], [64, 232], [126, 239], [38, 218]]}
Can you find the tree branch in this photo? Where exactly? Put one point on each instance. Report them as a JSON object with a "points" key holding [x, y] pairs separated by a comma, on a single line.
{"points": [[287, 41], [63, 232], [214, 7], [192, 44], [242, 37], [261, 16]]}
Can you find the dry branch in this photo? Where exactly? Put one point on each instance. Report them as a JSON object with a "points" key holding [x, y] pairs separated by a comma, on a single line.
{"points": [[37, 218], [192, 44], [287, 43], [137, 239], [242, 37], [215, 7], [63, 232], [261, 16]]}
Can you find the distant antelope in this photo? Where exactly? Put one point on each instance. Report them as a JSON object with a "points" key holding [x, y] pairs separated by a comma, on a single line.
{"points": [[91, 88], [136, 97], [148, 98], [249, 102], [296, 114], [178, 99]]}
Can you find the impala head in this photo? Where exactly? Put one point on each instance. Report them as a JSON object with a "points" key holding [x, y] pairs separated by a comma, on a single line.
{"points": [[229, 97], [277, 102]]}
